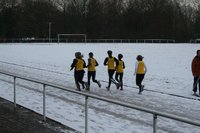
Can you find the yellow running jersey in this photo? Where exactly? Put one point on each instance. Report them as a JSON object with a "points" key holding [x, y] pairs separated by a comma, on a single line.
{"points": [[111, 63], [79, 64], [140, 69], [120, 67], [92, 66]]}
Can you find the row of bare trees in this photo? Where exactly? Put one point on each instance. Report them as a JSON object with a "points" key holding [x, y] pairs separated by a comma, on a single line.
{"points": [[119, 19]]}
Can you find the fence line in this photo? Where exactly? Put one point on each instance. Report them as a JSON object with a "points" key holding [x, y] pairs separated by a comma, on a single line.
{"points": [[86, 95], [84, 40]]}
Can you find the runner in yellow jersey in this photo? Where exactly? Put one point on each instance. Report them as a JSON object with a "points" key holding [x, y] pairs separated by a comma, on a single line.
{"points": [[140, 71], [120, 71], [92, 63], [111, 61], [78, 65]]}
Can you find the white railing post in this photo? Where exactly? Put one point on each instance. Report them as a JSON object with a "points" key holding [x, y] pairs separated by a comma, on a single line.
{"points": [[44, 102], [86, 114], [154, 123], [14, 91]]}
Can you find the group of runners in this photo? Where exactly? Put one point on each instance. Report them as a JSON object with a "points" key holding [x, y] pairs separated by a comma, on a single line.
{"points": [[117, 66], [114, 66]]}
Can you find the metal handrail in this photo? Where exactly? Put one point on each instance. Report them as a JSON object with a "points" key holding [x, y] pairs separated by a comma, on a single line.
{"points": [[72, 90]]}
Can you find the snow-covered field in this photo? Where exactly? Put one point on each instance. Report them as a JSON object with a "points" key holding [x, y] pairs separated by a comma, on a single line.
{"points": [[168, 85]]}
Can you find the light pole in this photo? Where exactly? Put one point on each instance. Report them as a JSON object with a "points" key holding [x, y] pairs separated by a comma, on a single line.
{"points": [[50, 23]]}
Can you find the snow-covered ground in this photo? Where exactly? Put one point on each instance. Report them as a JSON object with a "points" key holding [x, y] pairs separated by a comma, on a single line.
{"points": [[168, 85]]}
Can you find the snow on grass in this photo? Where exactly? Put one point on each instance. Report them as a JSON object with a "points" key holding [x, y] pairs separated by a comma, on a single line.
{"points": [[169, 73]]}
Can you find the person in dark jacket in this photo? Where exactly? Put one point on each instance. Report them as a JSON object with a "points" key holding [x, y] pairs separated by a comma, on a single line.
{"points": [[92, 63], [79, 65], [196, 71], [111, 62], [120, 71]]}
